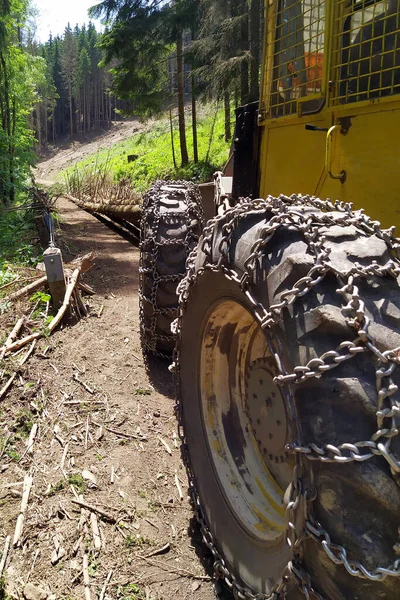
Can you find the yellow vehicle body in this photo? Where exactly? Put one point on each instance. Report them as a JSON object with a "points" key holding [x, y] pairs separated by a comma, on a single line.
{"points": [[330, 103]]}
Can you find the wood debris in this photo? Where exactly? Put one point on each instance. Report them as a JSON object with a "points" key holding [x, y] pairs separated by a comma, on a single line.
{"points": [[95, 531], [83, 384], [95, 509], [106, 584], [5, 555], [164, 443], [7, 386], [28, 481], [12, 336], [31, 439], [23, 360], [86, 578], [157, 551], [178, 485]]}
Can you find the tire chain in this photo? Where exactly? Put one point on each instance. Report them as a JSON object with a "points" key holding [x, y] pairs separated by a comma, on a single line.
{"points": [[288, 212], [151, 212]]}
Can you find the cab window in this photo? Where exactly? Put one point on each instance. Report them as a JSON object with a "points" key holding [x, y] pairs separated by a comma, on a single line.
{"points": [[370, 52], [298, 56]]}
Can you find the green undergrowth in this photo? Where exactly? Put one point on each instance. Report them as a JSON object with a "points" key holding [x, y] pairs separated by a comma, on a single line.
{"points": [[18, 241], [152, 150]]}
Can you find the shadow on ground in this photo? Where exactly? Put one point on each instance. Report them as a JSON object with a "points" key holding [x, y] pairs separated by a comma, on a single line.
{"points": [[206, 559], [159, 375]]}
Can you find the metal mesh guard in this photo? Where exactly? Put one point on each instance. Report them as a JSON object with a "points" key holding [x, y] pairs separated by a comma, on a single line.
{"points": [[299, 54], [368, 60]]}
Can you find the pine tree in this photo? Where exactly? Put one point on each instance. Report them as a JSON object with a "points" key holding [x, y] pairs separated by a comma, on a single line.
{"points": [[69, 63]]}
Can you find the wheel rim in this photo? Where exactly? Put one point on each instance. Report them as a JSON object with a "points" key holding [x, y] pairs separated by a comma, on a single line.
{"points": [[244, 420]]}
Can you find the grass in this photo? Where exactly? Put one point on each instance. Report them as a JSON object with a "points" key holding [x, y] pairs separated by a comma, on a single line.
{"points": [[18, 246], [17, 229], [130, 591], [78, 482], [154, 154]]}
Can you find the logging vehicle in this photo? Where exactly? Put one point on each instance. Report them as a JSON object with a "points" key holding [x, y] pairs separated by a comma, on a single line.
{"points": [[279, 299]]}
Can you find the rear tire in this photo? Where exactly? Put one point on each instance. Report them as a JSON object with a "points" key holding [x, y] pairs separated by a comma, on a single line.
{"points": [[250, 417], [172, 222]]}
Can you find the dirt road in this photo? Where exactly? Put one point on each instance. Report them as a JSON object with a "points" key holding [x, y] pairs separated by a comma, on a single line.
{"points": [[73, 151], [107, 438]]}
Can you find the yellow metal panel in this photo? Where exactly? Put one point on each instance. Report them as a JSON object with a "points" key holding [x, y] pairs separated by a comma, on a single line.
{"points": [[369, 155], [362, 102], [292, 158]]}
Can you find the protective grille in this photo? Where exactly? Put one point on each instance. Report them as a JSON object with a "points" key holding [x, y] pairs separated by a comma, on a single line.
{"points": [[368, 57], [298, 55]]}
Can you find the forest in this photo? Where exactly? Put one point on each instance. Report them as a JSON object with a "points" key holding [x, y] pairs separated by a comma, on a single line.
{"points": [[152, 57]]}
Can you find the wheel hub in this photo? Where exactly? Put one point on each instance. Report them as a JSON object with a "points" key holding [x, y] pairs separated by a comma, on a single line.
{"points": [[267, 417]]}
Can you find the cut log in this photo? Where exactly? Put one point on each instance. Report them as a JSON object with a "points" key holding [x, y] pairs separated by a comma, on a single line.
{"points": [[32, 287]]}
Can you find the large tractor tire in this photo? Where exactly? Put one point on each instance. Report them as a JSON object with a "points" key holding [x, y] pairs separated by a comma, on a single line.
{"points": [[171, 224], [287, 372]]}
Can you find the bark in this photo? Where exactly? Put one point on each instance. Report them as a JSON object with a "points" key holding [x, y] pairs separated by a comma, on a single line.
{"points": [[181, 99], [194, 121], [255, 31], [172, 138], [244, 67], [227, 109]]}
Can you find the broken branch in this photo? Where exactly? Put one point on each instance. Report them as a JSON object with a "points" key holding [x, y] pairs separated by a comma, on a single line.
{"points": [[24, 504], [95, 509]]}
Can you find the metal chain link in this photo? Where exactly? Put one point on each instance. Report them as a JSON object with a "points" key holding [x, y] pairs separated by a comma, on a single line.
{"points": [[151, 242], [299, 213]]}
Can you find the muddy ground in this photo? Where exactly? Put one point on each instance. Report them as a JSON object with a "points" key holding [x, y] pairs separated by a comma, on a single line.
{"points": [[106, 437]]}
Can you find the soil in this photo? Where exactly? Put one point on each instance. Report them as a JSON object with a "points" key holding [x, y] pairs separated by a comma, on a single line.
{"points": [[107, 435]]}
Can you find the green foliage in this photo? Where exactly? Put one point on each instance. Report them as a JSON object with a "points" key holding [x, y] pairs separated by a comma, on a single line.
{"points": [[56, 488], [40, 300], [130, 591], [93, 568], [137, 38], [78, 482], [41, 297], [20, 77], [24, 423], [155, 154], [17, 225]]}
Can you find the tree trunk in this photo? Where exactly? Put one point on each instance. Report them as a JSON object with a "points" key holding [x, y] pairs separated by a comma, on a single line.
{"points": [[255, 14], [227, 107], [46, 123], [71, 112], [181, 100], [244, 44], [194, 120], [38, 126], [172, 138]]}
